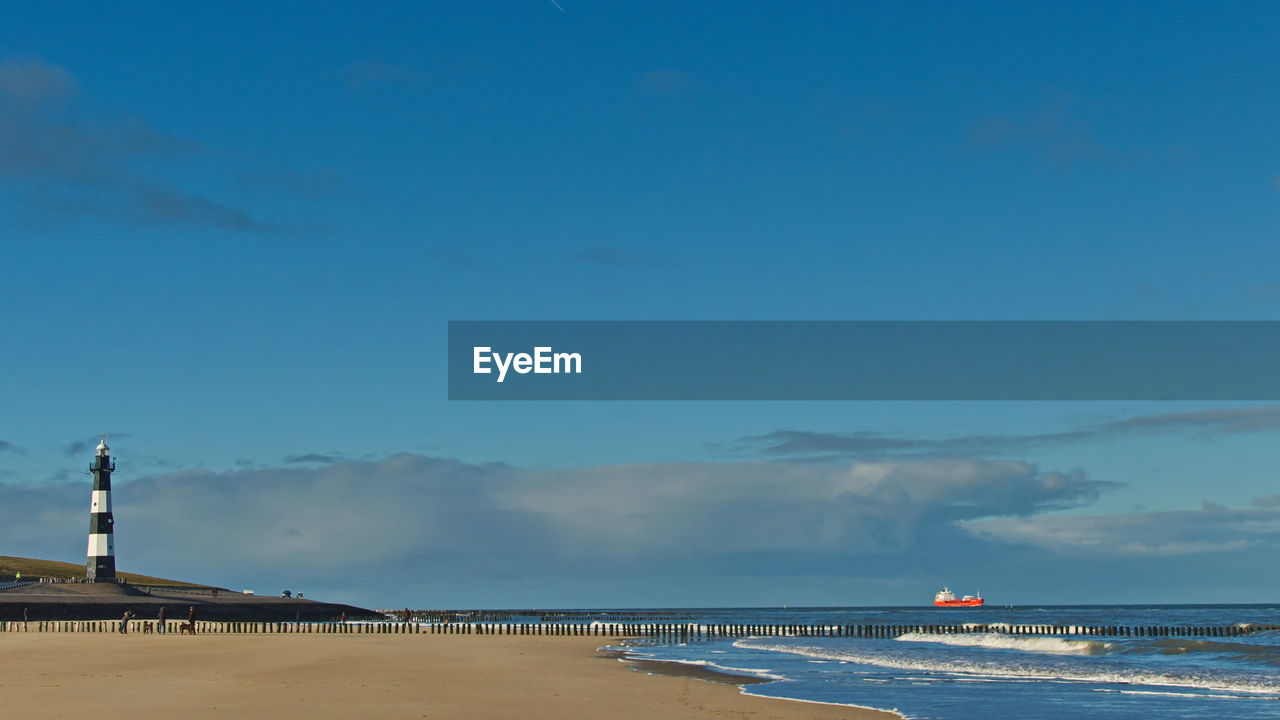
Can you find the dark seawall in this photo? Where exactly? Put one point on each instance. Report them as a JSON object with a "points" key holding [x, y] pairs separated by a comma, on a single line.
{"points": [[84, 601]]}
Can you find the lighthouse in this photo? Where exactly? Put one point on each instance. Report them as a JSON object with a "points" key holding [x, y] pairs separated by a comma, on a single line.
{"points": [[101, 566]]}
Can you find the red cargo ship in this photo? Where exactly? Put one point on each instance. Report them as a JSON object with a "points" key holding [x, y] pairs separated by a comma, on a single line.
{"points": [[946, 598]]}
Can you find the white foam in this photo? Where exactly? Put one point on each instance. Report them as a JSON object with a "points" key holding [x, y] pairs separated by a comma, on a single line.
{"points": [[1001, 671], [1050, 645], [746, 690], [754, 672]]}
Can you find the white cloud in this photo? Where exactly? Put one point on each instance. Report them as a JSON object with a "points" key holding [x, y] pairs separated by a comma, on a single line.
{"points": [[1184, 532], [444, 512]]}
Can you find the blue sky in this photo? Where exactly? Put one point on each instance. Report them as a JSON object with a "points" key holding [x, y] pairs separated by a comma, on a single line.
{"points": [[233, 236]]}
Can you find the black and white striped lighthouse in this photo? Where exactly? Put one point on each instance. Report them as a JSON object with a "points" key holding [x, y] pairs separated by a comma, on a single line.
{"points": [[101, 566]]}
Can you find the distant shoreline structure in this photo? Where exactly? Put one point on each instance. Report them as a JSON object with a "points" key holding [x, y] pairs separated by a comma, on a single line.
{"points": [[51, 590]]}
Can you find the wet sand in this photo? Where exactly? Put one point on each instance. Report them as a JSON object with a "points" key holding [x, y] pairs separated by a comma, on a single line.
{"points": [[49, 675]]}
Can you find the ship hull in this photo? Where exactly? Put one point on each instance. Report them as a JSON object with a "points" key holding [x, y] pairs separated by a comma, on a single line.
{"points": [[958, 603]]}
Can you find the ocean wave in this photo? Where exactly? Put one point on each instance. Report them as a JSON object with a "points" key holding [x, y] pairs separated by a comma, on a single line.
{"points": [[1269, 654], [970, 668], [1161, 693], [1050, 645]]}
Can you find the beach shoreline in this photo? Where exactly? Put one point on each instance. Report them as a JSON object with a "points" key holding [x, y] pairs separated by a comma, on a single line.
{"points": [[672, 668], [676, 668], [51, 675]]}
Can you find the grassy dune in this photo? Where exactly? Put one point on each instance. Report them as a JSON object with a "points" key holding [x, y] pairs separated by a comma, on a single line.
{"points": [[31, 567]]}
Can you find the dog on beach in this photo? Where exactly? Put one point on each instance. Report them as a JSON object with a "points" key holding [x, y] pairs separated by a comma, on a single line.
{"points": [[146, 628], [186, 629]]}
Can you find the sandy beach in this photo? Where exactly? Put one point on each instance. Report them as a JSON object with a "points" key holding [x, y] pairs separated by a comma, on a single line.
{"points": [[345, 676]]}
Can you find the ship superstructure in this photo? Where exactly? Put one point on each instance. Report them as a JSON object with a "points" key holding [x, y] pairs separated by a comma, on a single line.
{"points": [[946, 598]]}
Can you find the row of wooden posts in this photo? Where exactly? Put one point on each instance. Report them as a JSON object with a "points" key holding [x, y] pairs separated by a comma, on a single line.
{"points": [[547, 616], [659, 631]]}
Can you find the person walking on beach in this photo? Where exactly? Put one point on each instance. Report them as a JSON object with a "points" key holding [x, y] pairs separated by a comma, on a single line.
{"points": [[124, 622], [160, 621], [24, 618], [191, 618]]}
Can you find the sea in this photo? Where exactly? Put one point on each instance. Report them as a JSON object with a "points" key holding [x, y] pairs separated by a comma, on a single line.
{"points": [[992, 676]]}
